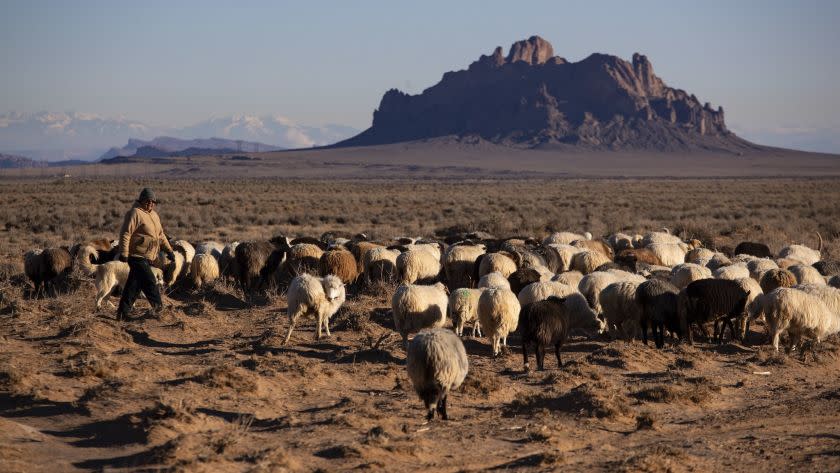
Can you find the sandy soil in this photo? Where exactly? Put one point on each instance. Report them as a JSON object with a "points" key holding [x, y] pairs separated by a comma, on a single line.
{"points": [[208, 387]]}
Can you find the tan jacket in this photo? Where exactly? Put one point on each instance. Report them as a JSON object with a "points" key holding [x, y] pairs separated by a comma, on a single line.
{"points": [[142, 235]]}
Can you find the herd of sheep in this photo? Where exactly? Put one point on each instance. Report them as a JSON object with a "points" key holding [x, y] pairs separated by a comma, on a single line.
{"points": [[620, 285]]}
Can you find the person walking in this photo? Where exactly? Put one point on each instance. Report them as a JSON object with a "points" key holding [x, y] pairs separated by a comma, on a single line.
{"points": [[141, 238]]}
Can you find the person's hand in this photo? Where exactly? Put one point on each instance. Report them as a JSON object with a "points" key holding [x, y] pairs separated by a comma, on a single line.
{"points": [[124, 258]]}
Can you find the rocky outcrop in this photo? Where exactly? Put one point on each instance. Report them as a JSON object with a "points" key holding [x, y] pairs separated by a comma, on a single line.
{"points": [[531, 97]]}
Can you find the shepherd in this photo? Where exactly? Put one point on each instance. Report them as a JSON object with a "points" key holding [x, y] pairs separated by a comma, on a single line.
{"points": [[141, 238]]}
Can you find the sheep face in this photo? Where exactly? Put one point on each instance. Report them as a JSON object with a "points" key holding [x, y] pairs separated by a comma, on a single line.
{"points": [[333, 288]]}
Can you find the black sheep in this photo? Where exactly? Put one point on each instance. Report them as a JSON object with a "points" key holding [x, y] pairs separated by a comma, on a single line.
{"points": [[543, 323], [752, 248], [521, 278], [828, 268], [658, 300], [711, 300]]}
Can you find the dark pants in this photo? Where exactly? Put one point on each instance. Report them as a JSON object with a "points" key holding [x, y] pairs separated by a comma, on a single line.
{"points": [[140, 278]]}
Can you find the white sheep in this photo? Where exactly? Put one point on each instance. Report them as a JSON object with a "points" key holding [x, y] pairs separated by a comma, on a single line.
{"points": [[671, 254], [588, 261], [542, 290], [686, 273], [498, 263], [432, 248], [416, 307], [807, 275], [380, 263], [112, 274], [592, 284], [203, 270], [498, 314], [494, 280], [759, 266], [753, 290], [186, 249], [437, 364], [210, 248], [571, 278], [802, 253], [700, 256], [419, 265], [732, 272], [310, 295], [560, 256], [720, 260], [459, 264], [463, 308], [565, 238], [799, 314], [665, 237], [620, 309], [829, 295]]}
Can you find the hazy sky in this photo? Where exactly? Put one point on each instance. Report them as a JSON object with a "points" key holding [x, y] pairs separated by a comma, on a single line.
{"points": [[773, 65]]}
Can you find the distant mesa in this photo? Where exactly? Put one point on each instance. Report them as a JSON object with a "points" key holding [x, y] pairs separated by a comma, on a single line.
{"points": [[532, 98], [11, 161], [165, 146]]}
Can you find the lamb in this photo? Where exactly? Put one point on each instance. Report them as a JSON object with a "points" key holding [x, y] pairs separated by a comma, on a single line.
{"points": [[828, 268], [437, 364], [759, 266], [501, 262], [209, 248], [733, 271], [459, 265], [802, 253], [493, 280], [321, 297], [380, 264], [204, 269], [671, 254], [684, 274], [498, 314], [806, 274], [571, 278], [619, 307], [463, 308], [115, 274], [565, 238], [799, 314], [416, 307], [775, 278], [418, 266], [186, 249], [632, 257], [522, 277], [340, 263], [658, 301], [586, 261], [559, 257], [753, 248], [543, 323], [711, 300]]}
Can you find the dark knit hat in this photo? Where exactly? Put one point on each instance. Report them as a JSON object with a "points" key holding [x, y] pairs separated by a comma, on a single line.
{"points": [[147, 194]]}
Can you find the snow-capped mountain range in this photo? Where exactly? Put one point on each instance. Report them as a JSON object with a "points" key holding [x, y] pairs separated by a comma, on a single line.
{"points": [[58, 135]]}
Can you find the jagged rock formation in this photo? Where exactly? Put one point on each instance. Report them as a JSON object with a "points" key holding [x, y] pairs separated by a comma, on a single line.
{"points": [[531, 97]]}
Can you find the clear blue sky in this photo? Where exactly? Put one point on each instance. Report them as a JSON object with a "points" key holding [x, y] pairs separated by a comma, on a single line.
{"points": [[773, 65]]}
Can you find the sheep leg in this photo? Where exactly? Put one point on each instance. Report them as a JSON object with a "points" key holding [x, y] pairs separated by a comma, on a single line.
{"points": [[540, 357], [658, 334], [327, 326], [776, 335], [525, 356], [689, 334], [292, 321], [557, 353], [644, 324], [496, 347], [704, 330], [441, 408]]}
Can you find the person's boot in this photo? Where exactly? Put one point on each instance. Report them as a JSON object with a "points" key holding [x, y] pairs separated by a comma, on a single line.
{"points": [[155, 312], [122, 316]]}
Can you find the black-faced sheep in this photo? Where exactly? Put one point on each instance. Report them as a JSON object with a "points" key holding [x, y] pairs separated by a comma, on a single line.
{"points": [[658, 301], [416, 307], [543, 323], [522, 277], [753, 248], [320, 297], [340, 263], [437, 364], [498, 314], [711, 300]]}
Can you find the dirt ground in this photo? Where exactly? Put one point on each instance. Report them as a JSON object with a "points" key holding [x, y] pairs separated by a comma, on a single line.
{"points": [[209, 387]]}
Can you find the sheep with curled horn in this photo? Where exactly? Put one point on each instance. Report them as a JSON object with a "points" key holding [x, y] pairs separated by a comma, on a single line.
{"points": [[802, 253]]}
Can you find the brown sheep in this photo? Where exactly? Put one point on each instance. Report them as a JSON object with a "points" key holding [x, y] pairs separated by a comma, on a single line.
{"points": [[631, 257], [53, 262], [775, 278], [360, 249], [340, 263], [600, 246]]}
